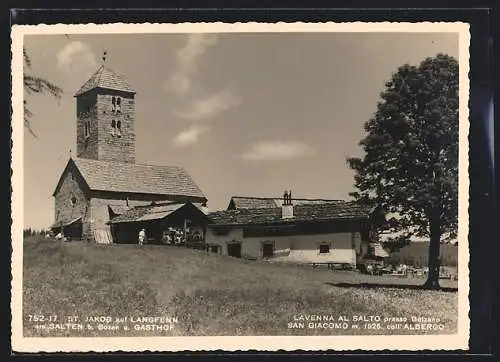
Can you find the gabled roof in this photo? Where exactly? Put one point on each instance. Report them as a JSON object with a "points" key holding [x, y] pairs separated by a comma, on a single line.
{"points": [[107, 79], [340, 210], [245, 202], [135, 178], [143, 213], [152, 212], [119, 209]]}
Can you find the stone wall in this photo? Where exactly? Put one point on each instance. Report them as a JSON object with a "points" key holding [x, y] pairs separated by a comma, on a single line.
{"points": [[65, 209], [105, 142], [86, 110], [100, 211], [114, 144]]}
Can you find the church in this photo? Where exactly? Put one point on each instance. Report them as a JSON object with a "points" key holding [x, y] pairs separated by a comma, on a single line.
{"points": [[103, 181]]}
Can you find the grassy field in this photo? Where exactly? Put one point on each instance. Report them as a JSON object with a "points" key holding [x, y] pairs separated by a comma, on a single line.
{"points": [[211, 294]]}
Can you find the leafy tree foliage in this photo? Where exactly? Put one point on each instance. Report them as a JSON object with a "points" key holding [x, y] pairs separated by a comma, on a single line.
{"points": [[34, 84], [409, 173]]}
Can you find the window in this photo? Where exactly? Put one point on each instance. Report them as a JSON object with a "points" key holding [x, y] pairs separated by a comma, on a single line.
{"points": [[72, 199], [220, 231], [113, 127], [116, 104], [324, 248], [214, 249], [119, 128], [86, 129]]}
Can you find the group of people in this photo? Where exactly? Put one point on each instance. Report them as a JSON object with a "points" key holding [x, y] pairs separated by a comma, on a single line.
{"points": [[170, 236], [401, 269]]}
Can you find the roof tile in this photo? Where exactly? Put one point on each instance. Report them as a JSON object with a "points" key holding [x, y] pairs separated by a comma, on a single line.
{"points": [[137, 178], [150, 212], [105, 78], [243, 202], [119, 209], [306, 212]]}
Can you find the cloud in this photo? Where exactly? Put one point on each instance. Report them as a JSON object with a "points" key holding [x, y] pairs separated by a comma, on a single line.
{"points": [[190, 136], [210, 106], [179, 83], [187, 59], [76, 56], [277, 150]]}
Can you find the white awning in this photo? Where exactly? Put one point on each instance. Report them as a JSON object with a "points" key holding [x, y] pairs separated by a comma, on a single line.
{"points": [[59, 224], [376, 249]]}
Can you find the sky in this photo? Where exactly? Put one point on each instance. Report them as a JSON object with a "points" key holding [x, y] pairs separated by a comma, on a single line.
{"points": [[246, 114]]}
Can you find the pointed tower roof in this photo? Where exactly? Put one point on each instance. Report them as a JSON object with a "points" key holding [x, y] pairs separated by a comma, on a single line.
{"points": [[107, 79]]}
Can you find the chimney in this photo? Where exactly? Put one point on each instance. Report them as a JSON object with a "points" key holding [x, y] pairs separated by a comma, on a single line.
{"points": [[287, 207]]}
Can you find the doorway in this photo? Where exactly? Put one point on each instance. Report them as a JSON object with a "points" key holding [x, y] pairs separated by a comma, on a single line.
{"points": [[234, 250], [267, 249]]}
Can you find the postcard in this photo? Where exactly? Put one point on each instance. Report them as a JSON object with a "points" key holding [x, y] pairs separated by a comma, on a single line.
{"points": [[234, 187]]}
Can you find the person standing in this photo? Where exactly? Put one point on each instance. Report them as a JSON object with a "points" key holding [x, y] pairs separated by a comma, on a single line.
{"points": [[142, 236], [405, 270]]}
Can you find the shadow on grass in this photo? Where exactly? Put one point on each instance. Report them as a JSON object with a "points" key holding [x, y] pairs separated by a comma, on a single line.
{"points": [[385, 285]]}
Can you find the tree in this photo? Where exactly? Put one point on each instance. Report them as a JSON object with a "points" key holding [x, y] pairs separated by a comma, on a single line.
{"points": [[35, 84], [29, 232], [409, 173]]}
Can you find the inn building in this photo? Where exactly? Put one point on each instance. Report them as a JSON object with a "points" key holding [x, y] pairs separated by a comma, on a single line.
{"points": [[310, 231]]}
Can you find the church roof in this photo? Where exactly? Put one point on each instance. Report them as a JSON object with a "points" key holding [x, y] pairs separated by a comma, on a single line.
{"points": [[107, 79], [135, 178]]}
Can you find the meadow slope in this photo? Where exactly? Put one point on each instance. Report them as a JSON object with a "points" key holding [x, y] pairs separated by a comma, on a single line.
{"points": [[209, 294]]}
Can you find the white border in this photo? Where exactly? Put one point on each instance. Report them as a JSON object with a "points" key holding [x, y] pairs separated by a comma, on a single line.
{"points": [[233, 343]]}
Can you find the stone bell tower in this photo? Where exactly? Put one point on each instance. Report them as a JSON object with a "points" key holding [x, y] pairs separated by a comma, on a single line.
{"points": [[105, 111]]}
